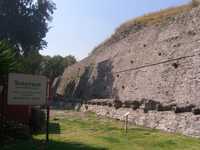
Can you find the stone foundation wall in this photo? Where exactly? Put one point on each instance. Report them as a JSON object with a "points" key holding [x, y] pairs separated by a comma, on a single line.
{"points": [[184, 123]]}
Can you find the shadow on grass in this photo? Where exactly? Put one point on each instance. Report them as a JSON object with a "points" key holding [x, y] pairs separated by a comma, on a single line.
{"points": [[54, 128], [55, 145]]}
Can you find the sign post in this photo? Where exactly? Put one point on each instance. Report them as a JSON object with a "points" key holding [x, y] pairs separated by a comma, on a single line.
{"points": [[1, 89], [3, 97], [2, 108], [29, 90], [49, 96], [47, 126]]}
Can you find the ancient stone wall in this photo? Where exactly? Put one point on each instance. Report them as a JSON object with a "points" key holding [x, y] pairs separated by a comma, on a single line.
{"points": [[185, 123], [158, 63]]}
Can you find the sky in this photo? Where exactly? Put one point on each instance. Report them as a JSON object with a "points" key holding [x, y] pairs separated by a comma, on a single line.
{"points": [[80, 25]]}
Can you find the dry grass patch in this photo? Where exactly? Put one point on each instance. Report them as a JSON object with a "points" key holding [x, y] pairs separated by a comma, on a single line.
{"points": [[156, 17], [139, 23]]}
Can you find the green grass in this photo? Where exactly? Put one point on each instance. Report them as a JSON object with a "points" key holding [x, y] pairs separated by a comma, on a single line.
{"points": [[77, 131]]}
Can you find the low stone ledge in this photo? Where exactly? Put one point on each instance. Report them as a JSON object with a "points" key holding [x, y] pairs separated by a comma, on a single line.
{"points": [[131, 104], [101, 102], [117, 104], [196, 111], [186, 123], [165, 107], [109, 104], [183, 109], [146, 105]]}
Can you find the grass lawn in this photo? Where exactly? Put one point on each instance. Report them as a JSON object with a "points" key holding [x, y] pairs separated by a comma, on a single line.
{"points": [[86, 131]]}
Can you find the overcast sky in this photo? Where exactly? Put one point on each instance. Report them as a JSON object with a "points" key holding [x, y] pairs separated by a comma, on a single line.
{"points": [[80, 25]]}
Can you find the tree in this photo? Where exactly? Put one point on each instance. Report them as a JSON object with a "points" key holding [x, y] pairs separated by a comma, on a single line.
{"points": [[31, 63], [24, 23], [7, 58], [54, 66], [68, 60]]}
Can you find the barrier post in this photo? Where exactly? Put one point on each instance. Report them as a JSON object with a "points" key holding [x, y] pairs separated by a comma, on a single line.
{"points": [[126, 122]]}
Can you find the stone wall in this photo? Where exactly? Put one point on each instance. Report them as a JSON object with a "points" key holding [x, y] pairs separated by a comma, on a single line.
{"points": [[185, 123], [156, 67], [159, 62]]}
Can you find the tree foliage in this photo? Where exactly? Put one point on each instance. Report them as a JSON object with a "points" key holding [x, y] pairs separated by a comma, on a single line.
{"points": [[54, 66], [31, 63], [24, 23], [8, 62]]}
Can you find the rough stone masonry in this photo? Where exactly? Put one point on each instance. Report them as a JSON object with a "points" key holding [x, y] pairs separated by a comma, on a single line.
{"points": [[151, 71]]}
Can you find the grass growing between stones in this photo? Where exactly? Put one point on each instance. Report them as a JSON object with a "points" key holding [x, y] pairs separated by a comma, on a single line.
{"points": [[78, 131]]}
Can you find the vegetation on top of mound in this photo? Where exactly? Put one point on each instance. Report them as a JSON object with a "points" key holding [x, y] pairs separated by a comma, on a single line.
{"points": [[138, 23], [156, 17]]}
